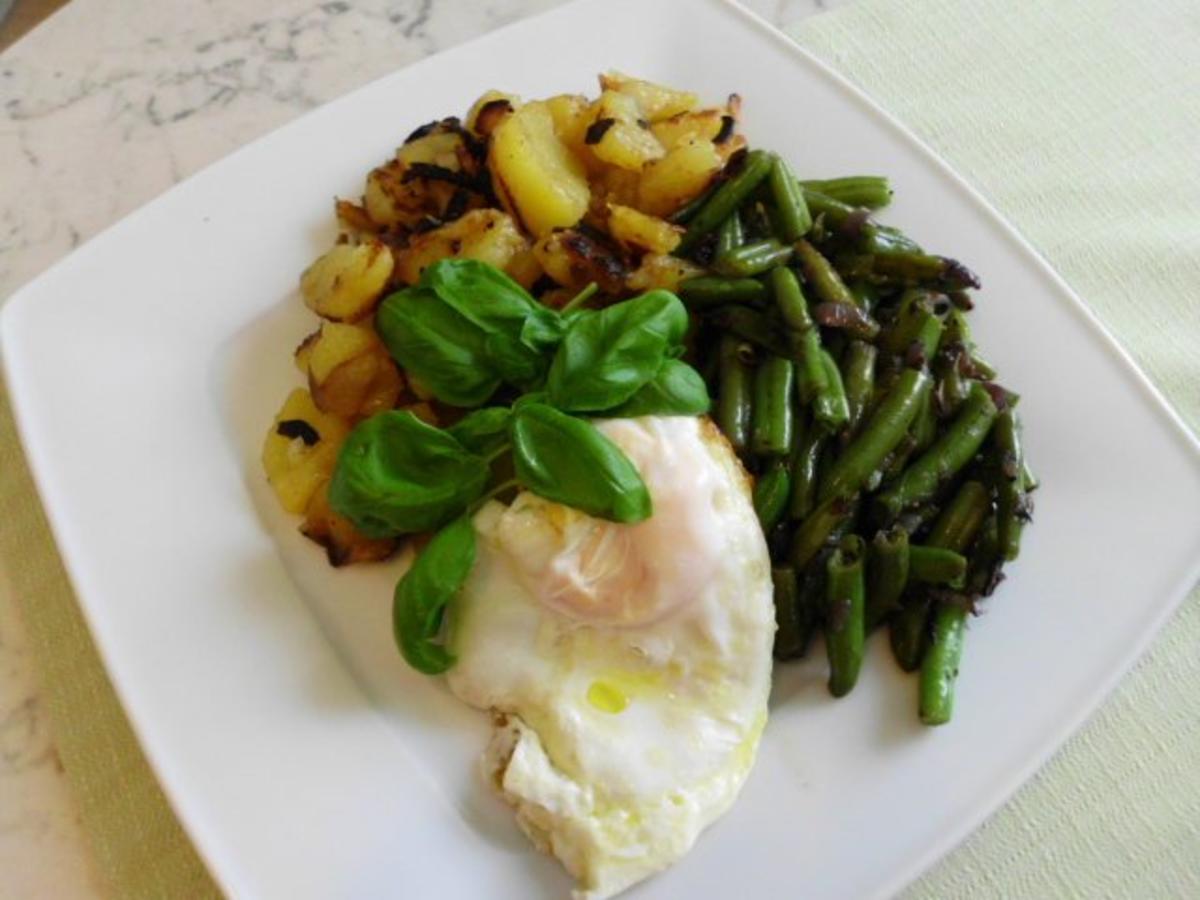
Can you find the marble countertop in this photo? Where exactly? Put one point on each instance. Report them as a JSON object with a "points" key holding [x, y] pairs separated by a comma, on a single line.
{"points": [[105, 106]]}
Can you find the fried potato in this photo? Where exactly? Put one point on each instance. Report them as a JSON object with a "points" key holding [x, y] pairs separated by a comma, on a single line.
{"points": [[660, 271], [536, 177], [682, 175], [350, 373], [655, 101], [344, 544], [618, 135], [639, 233], [300, 450], [346, 283], [484, 234]]}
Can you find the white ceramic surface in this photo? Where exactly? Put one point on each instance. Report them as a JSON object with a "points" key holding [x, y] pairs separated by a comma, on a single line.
{"points": [[301, 755]]}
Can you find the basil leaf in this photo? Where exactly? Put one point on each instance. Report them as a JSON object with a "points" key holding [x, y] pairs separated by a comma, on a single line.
{"points": [[567, 460], [521, 332], [608, 354], [440, 347], [396, 474], [419, 603], [484, 431], [676, 390]]}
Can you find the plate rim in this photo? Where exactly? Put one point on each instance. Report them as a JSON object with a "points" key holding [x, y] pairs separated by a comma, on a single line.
{"points": [[222, 870]]}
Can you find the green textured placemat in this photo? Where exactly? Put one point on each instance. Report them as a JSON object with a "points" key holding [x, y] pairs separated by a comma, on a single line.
{"points": [[1080, 121]]}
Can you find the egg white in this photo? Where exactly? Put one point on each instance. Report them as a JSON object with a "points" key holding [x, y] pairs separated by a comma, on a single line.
{"points": [[623, 728]]}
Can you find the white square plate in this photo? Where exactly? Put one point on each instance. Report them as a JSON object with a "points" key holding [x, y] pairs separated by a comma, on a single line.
{"points": [[302, 756]]}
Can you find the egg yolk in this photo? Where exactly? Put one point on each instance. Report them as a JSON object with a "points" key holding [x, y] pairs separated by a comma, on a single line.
{"points": [[609, 573]]}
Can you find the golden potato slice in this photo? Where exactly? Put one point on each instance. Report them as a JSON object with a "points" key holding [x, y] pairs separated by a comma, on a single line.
{"points": [[701, 125], [353, 219], [350, 373], [536, 177], [656, 102], [618, 135], [343, 543], [300, 450], [439, 148], [489, 111], [638, 232], [678, 177], [574, 259], [345, 284], [303, 352], [484, 234], [659, 271]]}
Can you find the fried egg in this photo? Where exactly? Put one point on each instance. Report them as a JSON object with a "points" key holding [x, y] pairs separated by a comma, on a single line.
{"points": [[628, 666]]}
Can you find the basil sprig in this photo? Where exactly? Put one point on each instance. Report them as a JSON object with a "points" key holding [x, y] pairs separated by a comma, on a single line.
{"points": [[567, 460], [465, 330], [421, 596]]}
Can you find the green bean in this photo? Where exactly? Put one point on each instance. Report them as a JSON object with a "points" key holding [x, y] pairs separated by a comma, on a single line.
{"points": [[907, 630], [734, 402], [929, 331], [851, 222], [771, 494], [952, 386], [915, 268], [752, 259], [948, 454], [885, 428], [939, 668], [848, 318], [830, 406], [773, 413], [821, 276], [845, 633], [1028, 478], [959, 331], [887, 574], [707, 292], [816, 529], [858, 377], [753, 326], [954, 529], [730, 235], [688, 211], [1011, 503], [803, 335], [791, 635], [911, 314], [727, 197], [961, 519], [805, 463], [793, 217], [870, 191], [887, 238], [924, 426], [936, 565]]}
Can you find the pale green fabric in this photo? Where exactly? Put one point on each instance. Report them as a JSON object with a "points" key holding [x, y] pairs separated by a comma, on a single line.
{"points": [[1080, 121]]}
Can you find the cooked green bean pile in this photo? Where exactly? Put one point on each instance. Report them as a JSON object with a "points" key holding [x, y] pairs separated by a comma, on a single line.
{"points": [[890, 478]]}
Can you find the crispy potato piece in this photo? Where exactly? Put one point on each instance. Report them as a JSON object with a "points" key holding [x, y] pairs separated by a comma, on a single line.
{"points": [[659, 271], [439, 148], [343, 543], [489, 111], [353, 220], [524, 268], [350, 373], [701, 125], [303, 352], [572, 116], [536, 177], [484, 234], [618, 135], [574, 259], [301, 449], [656, 102], [344, 284], [639, 233], [678, 177]]}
